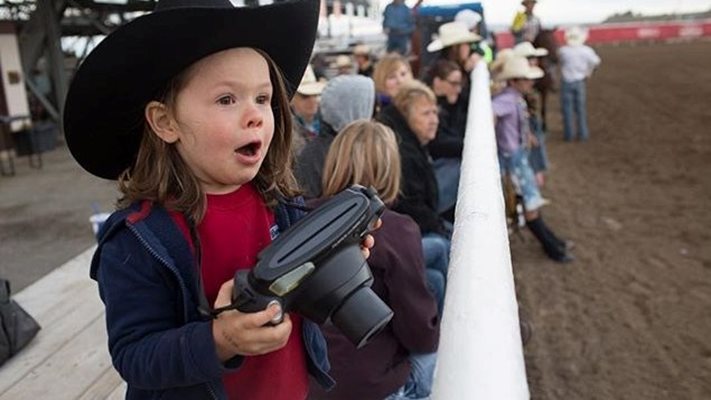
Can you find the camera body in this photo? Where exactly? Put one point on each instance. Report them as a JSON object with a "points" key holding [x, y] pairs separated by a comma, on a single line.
{"points": [[317, 269]]}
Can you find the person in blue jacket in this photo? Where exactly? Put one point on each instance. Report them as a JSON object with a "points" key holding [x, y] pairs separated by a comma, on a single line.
{"points": [[398, 24], [188, 108]]}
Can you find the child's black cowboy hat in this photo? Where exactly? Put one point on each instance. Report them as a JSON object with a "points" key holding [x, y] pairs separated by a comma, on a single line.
{"points": [[103, 115]]}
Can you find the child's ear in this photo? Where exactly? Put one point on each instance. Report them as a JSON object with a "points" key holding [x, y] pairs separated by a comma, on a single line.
{"points": [[161, 122]]}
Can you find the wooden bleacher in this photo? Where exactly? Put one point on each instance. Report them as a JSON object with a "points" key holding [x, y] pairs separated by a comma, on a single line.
{"points": [[68, 359]]}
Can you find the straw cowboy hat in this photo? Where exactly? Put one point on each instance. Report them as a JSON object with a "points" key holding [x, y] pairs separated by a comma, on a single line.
{"points": [[518, 67], [361, 50], [450, 34], [103, 115], [576, 36], [343, 61], [309, 86], [526, 49], [468, 17]]}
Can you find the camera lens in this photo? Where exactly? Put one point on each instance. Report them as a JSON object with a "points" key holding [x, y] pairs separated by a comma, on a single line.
{"points": [[362, 316]]}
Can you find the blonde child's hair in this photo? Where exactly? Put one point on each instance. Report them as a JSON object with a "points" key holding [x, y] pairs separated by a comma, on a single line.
{"points": [[364, 153], [160, 175], [409, 92], [386, 66]]}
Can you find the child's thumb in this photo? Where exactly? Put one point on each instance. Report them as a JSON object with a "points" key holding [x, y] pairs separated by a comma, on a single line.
{"points": [[224, 296]]}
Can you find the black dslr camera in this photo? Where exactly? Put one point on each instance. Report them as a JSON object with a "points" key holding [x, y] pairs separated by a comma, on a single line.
{"points": [[316, 268]]}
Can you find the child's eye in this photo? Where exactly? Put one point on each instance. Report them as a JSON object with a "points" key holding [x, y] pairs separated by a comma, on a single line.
{"points": [[263, 99], [226, 100]]}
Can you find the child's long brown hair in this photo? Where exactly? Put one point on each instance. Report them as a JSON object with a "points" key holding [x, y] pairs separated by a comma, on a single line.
{"points": [[160, 175]]}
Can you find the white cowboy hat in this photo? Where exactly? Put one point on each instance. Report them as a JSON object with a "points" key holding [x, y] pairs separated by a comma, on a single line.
{"points": [[450, 34], [526, 49], [309, 86], [468, 17], [576, 36], [518, 67]]}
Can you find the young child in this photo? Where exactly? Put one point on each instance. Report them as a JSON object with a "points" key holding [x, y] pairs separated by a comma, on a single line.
{"points": [[577, 62], [188, 109], [538, 155], [400, 360], [513, 136]]}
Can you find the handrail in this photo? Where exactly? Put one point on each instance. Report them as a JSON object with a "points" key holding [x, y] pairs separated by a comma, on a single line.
{"points": [[480, 354]]}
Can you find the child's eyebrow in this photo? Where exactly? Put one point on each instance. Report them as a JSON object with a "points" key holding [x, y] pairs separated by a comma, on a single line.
{"points": [[244, 85]]}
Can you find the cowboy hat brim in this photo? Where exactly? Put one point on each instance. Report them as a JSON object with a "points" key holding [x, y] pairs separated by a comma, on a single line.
{"points": [[104, 111], [531, 73], [439, 44], [311, 88]]}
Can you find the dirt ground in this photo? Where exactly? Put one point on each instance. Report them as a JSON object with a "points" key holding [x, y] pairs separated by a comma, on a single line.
{"points": [[629, 319], [44, 215]]}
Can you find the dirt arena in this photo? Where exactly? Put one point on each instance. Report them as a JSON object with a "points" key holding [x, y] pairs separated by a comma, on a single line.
{"points": [[629, 319]]}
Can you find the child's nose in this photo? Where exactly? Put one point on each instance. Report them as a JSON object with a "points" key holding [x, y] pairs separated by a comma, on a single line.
{"points": [[253, 117]]}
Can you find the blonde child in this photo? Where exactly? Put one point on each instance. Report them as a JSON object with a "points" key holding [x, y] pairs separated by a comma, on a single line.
{"points": [[389, 74], [188, 108], [400, 361]]}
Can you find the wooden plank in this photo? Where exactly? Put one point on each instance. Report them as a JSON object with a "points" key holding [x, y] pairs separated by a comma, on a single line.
{"points": [[104, 387], [70, 282], [51, 339], [67, 373]]}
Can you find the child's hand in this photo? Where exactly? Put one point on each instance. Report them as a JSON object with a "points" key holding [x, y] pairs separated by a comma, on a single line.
{"points": [[247, 334], [369, 241]]}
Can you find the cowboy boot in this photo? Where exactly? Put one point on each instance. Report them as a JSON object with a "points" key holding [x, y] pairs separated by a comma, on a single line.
{"points": [[564, 244], [554, 248]]}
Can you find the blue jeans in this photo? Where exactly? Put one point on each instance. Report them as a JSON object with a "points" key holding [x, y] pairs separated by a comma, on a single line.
{"points": [[538, 157], [437, 285], [517, 167], [447, 171], [573, 104], [419, 383], [398, 43], [436, 252]]}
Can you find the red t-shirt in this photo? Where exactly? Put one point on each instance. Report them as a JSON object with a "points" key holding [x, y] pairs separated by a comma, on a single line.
{"points": [[236, 227]]}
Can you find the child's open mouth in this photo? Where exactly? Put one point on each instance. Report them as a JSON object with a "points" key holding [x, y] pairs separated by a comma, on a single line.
{"points": [[250, 152]]}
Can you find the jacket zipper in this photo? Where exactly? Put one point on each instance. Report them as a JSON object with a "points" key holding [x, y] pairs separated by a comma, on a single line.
{"points": [[213, 395], [158, 257], [166, 264]]}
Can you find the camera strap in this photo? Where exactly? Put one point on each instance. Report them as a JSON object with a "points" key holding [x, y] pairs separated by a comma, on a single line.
{"points": [[203, 307]]}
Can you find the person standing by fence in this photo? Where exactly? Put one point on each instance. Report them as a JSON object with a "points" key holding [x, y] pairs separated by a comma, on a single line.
{"points": [[577, 62], [513, 138], [398, 24]]}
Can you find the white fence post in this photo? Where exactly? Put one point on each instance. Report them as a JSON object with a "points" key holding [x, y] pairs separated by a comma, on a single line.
{"points": [[480, 356]]}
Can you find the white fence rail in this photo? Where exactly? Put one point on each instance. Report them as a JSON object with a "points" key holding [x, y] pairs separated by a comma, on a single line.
{"points": [[480, 354]]}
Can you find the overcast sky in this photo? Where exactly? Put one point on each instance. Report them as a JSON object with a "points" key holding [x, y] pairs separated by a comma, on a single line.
{"points": [[554, 12]]}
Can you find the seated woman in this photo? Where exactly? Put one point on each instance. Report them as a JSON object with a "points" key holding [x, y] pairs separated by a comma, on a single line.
{"points": [[389, 73], [413, 117], [400, 360], [454, 43], [446, 148]]}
